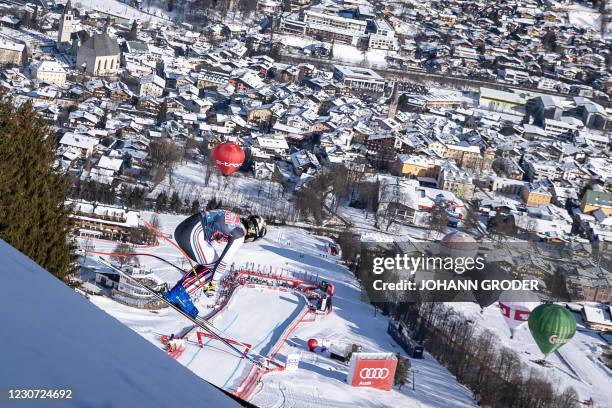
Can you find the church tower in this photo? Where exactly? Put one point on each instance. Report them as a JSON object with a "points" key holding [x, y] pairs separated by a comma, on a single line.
{"points": [[66, 25]]}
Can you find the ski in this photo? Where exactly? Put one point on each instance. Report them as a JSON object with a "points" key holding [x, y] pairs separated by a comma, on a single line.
{"points": [[197, 321]]}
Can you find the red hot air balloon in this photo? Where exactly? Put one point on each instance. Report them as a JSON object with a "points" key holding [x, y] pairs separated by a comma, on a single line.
{"points": [[312, 344], [228, 157]]}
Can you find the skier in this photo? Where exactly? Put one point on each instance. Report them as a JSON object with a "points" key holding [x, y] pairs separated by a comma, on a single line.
{"points": [[210, 239]]}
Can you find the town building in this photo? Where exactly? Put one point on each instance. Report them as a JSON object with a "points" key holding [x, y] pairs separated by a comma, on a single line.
{"points": [[99, 55], [537, 193], [12, 53], [457, 181], [359, 79], [49, 71], [597, 199], [151, 85], [108, 222]]}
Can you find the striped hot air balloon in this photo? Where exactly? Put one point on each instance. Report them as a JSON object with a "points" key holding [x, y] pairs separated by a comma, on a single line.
{"points": [[516, 306], [551, 327]]}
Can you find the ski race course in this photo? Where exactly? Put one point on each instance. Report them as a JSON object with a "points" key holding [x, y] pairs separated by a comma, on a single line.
{"points": [[271, 312], [275, 322]]}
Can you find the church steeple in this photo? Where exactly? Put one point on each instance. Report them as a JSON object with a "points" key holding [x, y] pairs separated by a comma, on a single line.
{"points": [[67, 8], [67, 26]]}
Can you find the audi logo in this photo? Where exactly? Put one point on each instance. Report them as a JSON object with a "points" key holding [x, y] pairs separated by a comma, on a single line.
{"points": [[374, 373]]}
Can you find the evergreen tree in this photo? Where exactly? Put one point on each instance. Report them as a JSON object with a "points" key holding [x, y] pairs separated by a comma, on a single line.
{"points": [[26, 20], [162, 113], [133, 34], [155, 222], [550, 40], [161, 202], [35, 18], [127, 195], [212, 204], [175, 203], [34, 217], [195, 206]]}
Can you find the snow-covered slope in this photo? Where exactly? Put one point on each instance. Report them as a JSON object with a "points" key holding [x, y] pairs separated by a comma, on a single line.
{"points": [[259, 317], [54, 338], [573, 365]]}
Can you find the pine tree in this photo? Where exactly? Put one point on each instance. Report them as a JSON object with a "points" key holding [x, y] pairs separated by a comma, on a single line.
{"points": [[195, 206], [162, 113], [212, 204], [155, 222], [161, 202], [34, 216], [35, 18], [133, 34], [175, 203]]}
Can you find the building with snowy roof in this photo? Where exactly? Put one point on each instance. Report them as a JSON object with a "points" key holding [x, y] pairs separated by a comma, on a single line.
{"points": [[49, 71], [403, 199], [303, 161], [99, 55], [597, 199], [598, 317], [86, 145], [356, 78], [11, 53], [538, 192], [108, 222], [459, 182], [493, 98], [151, 85]]}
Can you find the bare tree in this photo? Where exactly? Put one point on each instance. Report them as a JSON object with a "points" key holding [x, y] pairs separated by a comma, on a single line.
{"points": [[155, 222], [163, 157], [438, 218], [123, 255]]}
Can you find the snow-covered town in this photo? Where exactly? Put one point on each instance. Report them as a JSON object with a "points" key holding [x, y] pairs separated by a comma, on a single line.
{"points": [[226, 174]]}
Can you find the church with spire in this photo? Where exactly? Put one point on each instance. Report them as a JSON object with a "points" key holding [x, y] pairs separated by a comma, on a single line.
{"points": [[99, 55]]}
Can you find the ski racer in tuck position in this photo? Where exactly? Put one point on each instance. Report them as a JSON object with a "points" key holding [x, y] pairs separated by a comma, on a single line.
{"points": [[210, 239]]}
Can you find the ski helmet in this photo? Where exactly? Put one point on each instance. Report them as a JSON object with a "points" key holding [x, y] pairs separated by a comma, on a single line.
{"points": [[256, 227]]}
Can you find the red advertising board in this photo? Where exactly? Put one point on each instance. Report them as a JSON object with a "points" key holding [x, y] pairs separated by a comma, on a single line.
{"points": [[368, 371]]}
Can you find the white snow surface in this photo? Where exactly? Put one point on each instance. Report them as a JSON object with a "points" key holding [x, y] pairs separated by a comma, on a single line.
{"points": [[584, 17], [259, 316], [118, 8], [53, 337], [575, 364]]}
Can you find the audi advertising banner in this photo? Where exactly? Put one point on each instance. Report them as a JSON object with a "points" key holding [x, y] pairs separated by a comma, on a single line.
{"points": [[374, 370]]}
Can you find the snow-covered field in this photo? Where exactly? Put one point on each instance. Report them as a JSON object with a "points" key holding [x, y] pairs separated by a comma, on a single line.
{"points": [[118, 8], [259, 316], [584, 17], [575, 364], [258, 196]]}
